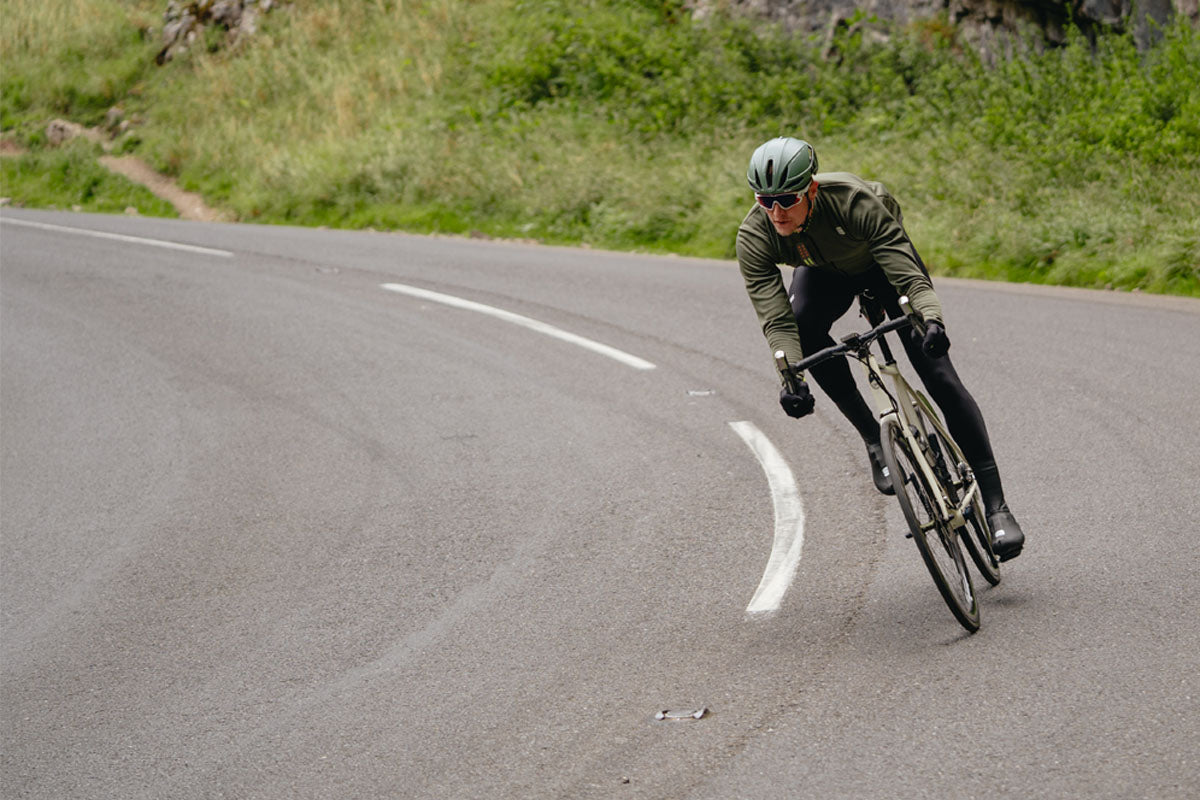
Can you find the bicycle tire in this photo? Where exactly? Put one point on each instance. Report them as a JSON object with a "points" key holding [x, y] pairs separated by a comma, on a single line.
{"points": [[977, 536], [937, 542]]}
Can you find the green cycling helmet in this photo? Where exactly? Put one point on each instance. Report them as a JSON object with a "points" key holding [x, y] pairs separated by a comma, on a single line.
{"points": [[782, 166]]}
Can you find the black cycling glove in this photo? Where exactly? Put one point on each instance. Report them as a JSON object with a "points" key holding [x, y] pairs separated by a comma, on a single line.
{"points": [[799, 403], [936, 342]]}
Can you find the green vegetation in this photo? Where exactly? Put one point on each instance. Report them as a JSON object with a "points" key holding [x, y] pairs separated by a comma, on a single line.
{"points": [[625, 124], [70, 177], [72, 59]]}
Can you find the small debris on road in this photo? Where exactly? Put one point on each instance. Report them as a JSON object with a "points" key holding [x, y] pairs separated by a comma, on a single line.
{"points": [[673, 715]]}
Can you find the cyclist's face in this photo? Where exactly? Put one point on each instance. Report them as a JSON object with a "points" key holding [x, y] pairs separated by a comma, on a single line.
{"points": [[788, 220]]}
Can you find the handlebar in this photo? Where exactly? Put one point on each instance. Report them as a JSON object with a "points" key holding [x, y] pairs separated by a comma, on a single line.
{"points": [[851, 342]]}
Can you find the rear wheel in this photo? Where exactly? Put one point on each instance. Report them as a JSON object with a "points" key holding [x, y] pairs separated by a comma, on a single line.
{"points": [[937, 541]]}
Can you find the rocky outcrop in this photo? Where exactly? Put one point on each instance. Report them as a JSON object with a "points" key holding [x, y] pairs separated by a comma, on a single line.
{"points": [[184, 22], [983, 22], [60, 131]]}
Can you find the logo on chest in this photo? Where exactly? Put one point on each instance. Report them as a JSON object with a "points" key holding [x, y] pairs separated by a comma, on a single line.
{"points": [[805, 258]]}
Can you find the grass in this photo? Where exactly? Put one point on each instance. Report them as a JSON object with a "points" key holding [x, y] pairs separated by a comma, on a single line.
{"points": [[70, 177], [71, 58], [623, 124]]}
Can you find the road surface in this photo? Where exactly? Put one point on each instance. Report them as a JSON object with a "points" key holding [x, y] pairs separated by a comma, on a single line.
{"points": [[273, 530]]}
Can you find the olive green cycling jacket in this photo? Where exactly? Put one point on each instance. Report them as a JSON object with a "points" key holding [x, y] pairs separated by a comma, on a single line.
{"points": [[855, 226]]}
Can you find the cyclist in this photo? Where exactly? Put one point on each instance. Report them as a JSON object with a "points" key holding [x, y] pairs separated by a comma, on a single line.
{"points": [[845, 235]]}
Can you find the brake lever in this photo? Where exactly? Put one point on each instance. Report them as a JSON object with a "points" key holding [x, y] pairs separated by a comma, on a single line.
{"points": [[918, 322], [785, 371]]}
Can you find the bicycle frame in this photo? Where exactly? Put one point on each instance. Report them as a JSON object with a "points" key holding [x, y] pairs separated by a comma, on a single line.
{"points": [[901, 406], [946, 509]]}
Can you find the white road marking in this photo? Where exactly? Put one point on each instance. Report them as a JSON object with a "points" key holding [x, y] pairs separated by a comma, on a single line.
{"points": [[526, 322], [191, 248], [789, 521]]}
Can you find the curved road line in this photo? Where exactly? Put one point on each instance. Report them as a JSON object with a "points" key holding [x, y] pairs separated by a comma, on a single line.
{"points": [[789, 521], [525, 322], [789, 510], [191, 248]]}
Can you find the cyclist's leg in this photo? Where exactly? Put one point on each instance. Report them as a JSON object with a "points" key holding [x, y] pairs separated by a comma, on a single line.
{"points": [[965, 423], [819, 298], [963, 418]]}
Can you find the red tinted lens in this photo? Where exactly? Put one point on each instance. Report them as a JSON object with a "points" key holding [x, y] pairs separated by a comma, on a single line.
{"points": [[785, 200]]}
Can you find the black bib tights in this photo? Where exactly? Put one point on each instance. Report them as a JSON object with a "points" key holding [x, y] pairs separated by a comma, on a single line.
{"points": [[821, 297]]}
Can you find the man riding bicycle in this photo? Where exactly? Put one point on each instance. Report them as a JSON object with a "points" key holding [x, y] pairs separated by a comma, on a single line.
{"points": [[845, 236]]}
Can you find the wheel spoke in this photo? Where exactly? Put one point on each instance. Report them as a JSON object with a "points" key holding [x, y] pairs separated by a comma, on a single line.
{"points": [[938, 543]]}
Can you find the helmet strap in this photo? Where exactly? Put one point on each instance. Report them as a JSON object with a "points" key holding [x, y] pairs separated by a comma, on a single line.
{"points": [[809, 200]]}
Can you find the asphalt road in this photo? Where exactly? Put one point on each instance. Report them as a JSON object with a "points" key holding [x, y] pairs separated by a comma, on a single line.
{"points": [[273, 531]]}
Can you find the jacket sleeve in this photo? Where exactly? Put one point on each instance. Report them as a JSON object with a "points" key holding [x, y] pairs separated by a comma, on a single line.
{"points": [[870, 220], [764, 285]]}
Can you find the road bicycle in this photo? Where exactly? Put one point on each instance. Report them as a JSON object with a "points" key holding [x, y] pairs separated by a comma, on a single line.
{"points": [[935, 486]]}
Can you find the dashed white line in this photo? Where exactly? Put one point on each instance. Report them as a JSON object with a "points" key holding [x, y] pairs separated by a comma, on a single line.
{"points": [[789, 521], [789, 509], [526, 322], [191, 248]]}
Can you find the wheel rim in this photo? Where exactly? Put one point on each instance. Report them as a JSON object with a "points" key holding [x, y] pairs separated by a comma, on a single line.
{"points": [[938, 544], [975, 536]]}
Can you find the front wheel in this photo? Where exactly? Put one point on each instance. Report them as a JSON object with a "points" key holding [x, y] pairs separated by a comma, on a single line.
{"points": [[936, 540], [977, 536]]}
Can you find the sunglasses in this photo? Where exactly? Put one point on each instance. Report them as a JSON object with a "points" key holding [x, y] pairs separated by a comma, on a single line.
{"points": [[785, 201]]}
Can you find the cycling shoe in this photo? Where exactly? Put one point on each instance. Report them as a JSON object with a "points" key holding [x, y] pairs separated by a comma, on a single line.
{"points": [[1007, 538]]}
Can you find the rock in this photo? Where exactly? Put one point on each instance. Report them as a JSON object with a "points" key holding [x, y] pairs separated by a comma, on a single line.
{"points": [[61, 130], [227, 13], [184, 21], [113, 119], [983, 22]]}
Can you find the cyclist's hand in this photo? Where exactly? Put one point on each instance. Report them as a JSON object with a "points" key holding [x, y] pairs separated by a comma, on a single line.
{"points": [[936, 342], [797, 404]]}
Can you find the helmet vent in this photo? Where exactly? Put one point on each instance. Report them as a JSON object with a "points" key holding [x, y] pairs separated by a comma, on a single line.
{"points": [[782, 165]]}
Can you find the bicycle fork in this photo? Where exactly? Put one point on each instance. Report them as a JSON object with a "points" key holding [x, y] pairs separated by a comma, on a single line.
{"points": [[949, 512]]}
